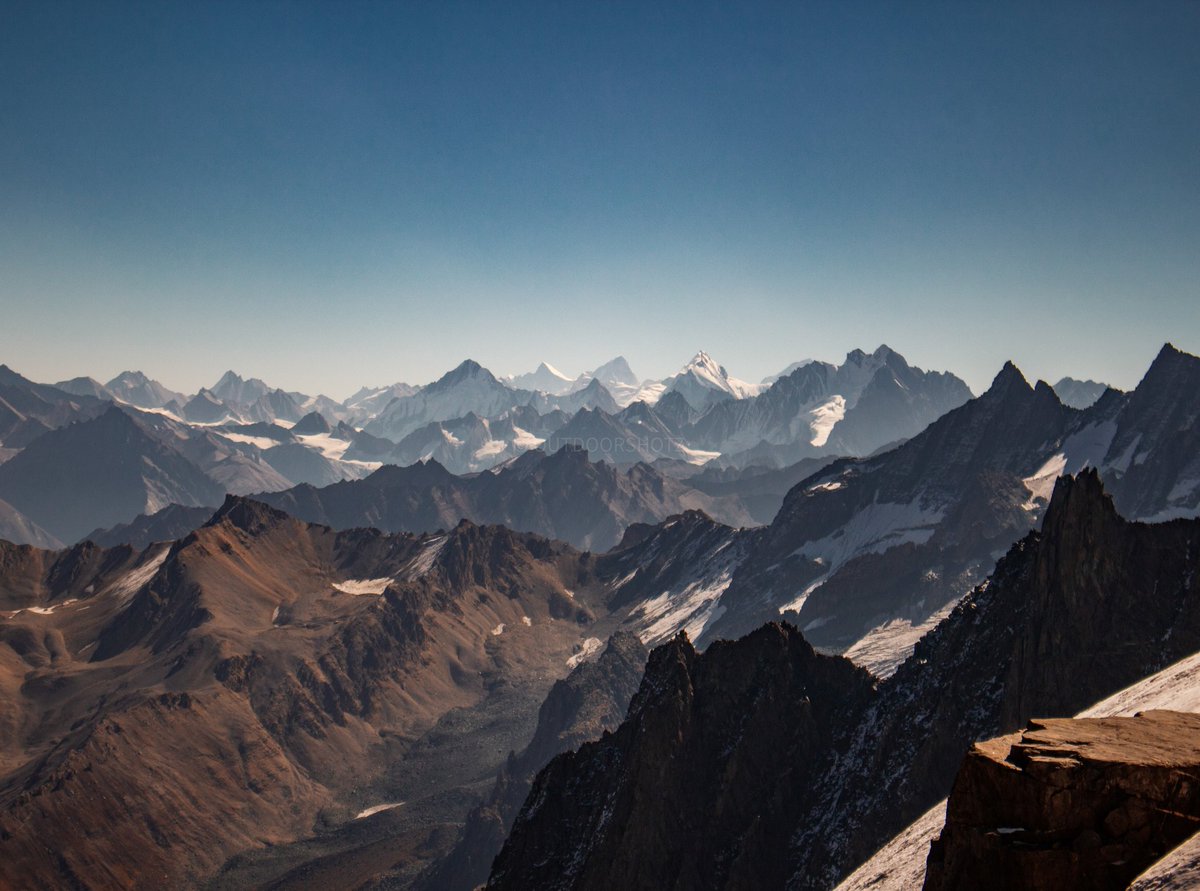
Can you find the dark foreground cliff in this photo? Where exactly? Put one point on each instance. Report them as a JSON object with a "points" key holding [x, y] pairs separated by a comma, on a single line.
{"points": [[1082, 803], [763, 764]]}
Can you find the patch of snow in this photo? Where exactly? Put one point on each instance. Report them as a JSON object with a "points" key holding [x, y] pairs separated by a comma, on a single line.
{"points": [[1121, 463], [498, 630], [797, 602], [424, 561], [697, 456], [490, 449], [625, 579], [649, 392], [325, 443], [359, 587], [375, 809], [1183, 489], [824, 417], [900, 864], [275, 616], [1041, 482], [1175, 688], [262, 442], [160, 411], [589, 647], [124, 588], [1087, 447], [1178, 512], [884, 648], [876, 528], [43, 610], [526, 621], [523, 439], [693, 608]]}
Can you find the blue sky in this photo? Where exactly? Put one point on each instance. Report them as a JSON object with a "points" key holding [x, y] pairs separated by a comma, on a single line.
{"points": [[330, 195]]}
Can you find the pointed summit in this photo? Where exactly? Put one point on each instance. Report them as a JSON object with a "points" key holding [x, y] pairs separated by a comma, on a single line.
{"points": [[616, 371], [312, 423], [1168, 367], [545, 378], [1009, 377], [130, 378], [550, 369], [466, 370], [248, 515], [232, 387], [703, 382], [137, 389]]}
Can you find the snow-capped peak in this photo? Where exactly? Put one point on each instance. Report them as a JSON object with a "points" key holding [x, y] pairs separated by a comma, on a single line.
{"points": [[545, 377], [703, 381]]}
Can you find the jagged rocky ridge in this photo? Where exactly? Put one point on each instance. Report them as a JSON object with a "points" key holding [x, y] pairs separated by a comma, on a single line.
{"points": [[707, 785]]}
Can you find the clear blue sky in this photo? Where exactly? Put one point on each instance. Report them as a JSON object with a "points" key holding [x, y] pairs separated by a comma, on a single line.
{"points": [[329, 195]]}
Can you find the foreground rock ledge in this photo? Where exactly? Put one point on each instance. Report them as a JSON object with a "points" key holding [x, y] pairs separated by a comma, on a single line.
{"points": [[1070, 803]]}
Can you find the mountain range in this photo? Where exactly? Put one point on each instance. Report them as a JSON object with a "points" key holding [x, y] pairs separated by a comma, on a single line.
{"points": [[242, 436], [403, 643]]}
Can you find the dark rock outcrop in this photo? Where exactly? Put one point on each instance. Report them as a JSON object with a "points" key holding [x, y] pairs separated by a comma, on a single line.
{"points": [[1070, 803], [702, 783]]}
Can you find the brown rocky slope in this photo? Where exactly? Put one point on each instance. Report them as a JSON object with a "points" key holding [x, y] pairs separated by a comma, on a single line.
{"points": [[251, 682]]}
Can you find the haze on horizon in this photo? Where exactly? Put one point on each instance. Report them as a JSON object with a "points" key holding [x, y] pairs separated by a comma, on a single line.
{"points": [[326, 196]]}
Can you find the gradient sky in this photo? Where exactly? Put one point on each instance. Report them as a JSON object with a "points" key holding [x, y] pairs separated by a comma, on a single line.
{"points": [[331, 195]]}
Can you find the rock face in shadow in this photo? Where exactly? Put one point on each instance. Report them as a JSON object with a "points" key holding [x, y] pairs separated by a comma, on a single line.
{"points": [[702, 783], [763, 764], [1070, 803], [590, 701]]}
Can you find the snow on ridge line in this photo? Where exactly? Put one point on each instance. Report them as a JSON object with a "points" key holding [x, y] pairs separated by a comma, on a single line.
{"points": [[129, 584], [423, 562], [876, 528], [1175, 688], [885, 647], [588, 648]]}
